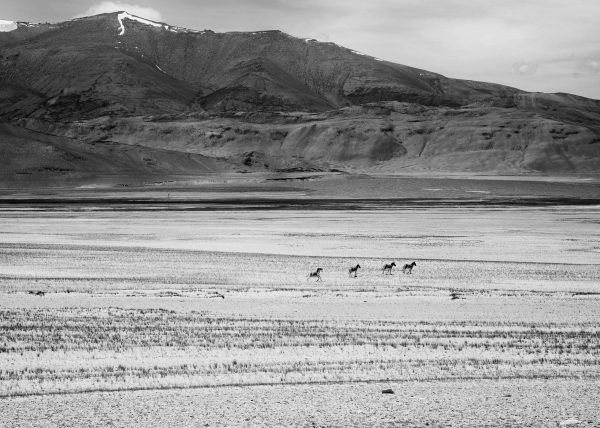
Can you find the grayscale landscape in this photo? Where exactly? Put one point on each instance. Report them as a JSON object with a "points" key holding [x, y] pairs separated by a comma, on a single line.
{"points": [[165, 195]]}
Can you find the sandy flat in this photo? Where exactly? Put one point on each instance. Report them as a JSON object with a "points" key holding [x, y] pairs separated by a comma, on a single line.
{"points": [[479, 403]]}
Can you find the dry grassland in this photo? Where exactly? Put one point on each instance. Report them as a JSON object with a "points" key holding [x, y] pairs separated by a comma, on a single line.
{"points": [[171, 301]]}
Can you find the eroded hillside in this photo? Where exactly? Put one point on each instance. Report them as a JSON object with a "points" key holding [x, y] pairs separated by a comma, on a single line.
{"points": [[123, 95]]}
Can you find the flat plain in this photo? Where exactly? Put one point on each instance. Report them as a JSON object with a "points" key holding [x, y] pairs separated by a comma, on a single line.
{"points": [[203, 315]]}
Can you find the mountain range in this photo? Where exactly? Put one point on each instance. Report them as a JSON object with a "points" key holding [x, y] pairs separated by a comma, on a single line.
{"points": [[119, 95]]}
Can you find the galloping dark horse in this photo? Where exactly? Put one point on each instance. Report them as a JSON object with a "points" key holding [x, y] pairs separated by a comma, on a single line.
{"points": [[353, 270], [408, 267], [315, 274], [388, 268]]}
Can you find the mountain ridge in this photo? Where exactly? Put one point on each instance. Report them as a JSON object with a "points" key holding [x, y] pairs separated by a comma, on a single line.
{"points": [[117, 69]]}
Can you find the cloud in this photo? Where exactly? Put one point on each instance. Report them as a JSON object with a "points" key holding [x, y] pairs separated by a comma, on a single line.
{"points": [[525, 67], [134, 9], [591, 65]]}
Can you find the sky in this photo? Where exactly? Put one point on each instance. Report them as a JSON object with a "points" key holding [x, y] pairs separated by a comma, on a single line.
{"points": [[535, 45]]}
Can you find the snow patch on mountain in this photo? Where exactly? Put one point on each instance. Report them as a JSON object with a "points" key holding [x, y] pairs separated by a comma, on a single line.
{"points": [[124, 15], [6, 26]]}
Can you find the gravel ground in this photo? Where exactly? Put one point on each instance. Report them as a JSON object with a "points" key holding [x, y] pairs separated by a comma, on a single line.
{"points": [[480, 403], [518, 265]]}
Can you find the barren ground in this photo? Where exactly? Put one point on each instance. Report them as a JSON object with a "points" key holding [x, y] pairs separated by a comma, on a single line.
{"points": [[206, 317]]}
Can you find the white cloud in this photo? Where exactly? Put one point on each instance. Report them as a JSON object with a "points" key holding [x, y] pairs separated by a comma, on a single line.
{"points": [[134, 9], [7, 26], [591, 65], [525, 67]]}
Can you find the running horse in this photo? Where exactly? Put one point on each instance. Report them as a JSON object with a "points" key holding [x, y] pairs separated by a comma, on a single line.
{"points": [[388, 268], [315, 274], [353, 270], [408, 267]]}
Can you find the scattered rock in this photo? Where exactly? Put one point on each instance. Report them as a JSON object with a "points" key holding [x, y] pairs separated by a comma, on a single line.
{"points": [[569, 422], [216, 294], [168, 293]]}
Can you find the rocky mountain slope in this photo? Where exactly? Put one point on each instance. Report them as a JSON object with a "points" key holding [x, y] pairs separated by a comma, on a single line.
{"points": [[262, 101]]}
